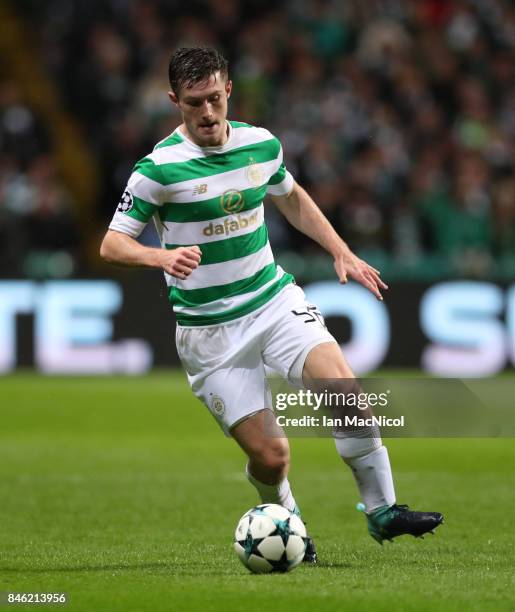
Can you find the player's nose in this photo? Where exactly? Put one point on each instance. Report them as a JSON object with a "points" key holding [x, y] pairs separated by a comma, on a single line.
{"points": [[207, 109]]}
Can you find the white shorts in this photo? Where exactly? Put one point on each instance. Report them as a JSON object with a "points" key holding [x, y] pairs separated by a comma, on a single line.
{"points": [[226, 363]]}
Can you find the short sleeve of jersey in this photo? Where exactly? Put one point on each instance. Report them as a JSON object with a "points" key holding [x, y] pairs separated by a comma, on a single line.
{"points": [[281, 182], [141, 199]]}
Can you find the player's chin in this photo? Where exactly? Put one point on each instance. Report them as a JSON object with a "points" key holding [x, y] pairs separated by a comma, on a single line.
{"points": [[210, 142], [209, 136]]}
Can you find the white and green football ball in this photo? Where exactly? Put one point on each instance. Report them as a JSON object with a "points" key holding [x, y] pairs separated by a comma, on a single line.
{"points": [[270, 538]]}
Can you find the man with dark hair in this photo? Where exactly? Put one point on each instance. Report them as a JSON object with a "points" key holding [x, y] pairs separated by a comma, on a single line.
{"points": [[189, 66], [204, 187]]}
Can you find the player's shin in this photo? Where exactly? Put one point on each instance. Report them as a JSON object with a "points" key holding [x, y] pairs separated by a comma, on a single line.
{"points": [[274, 494], [368, 459]]}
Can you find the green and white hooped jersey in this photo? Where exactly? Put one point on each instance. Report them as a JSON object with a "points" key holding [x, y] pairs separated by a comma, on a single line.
{"points": [[213, 197]]}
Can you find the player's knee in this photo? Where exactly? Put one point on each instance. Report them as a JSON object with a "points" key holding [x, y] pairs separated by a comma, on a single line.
{"points": [[275, 458]]}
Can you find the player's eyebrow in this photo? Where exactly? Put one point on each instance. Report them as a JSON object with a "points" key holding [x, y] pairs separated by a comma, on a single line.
{"points": [[189, 99]]}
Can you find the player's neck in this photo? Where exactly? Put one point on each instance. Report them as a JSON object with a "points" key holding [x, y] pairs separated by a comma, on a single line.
{"points": [[189, 136]]}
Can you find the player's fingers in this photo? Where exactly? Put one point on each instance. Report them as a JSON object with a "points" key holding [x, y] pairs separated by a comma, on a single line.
{"points": [[371, 268], [370, 272], [189, 262], [181, 269], [191, 255], [377, 280], [176, 273], [381, 283], [371, 286], [340, 272]]}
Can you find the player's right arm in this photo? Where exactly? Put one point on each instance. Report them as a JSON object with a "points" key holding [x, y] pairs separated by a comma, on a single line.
{"points": [[122, 249], [140, 201]]}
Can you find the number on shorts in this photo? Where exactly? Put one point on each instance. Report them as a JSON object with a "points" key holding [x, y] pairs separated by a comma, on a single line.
{"points": [[311, 315]]}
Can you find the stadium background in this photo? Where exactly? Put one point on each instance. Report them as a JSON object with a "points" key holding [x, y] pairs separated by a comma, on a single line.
{"points": [[399, 117]]}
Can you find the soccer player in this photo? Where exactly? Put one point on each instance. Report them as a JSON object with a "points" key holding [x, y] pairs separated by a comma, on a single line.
{"points": [[204, 187]]}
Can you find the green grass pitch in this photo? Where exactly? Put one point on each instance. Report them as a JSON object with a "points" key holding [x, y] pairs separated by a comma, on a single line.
{"points": [[123, 493]]}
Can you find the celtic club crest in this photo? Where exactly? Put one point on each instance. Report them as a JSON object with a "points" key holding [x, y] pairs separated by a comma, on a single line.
{"points": [[254, 173], [218, 405]]}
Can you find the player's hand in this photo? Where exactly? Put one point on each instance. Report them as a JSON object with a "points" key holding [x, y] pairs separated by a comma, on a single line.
{"points": [[181, 262], [348, 264]]}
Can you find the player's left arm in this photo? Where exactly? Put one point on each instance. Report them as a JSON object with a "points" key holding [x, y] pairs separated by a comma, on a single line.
{"points": [[302, 212]]}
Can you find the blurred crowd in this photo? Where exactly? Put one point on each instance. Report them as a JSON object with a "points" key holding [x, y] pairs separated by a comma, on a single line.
{"points": [[39, 233], [398, 116]]}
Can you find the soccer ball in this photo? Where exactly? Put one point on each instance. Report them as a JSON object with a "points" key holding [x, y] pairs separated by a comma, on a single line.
{"points": [[270, 538]]}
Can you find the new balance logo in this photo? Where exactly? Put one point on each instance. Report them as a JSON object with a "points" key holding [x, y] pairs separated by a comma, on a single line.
{"points": [[200, 189]]}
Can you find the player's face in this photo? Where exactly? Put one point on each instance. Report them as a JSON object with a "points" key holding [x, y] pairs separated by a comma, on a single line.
{"points": [[204, 109]]}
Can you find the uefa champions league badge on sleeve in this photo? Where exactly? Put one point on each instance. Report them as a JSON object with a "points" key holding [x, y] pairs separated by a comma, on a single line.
{"points": [[217, 405], [126, 201]]}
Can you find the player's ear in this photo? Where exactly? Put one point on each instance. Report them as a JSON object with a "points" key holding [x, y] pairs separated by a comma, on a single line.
{"points": [[228, 88], [173, 98]]}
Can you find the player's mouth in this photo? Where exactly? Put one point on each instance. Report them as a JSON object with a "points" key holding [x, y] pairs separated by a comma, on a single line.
{"points": [[208, 127]]}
